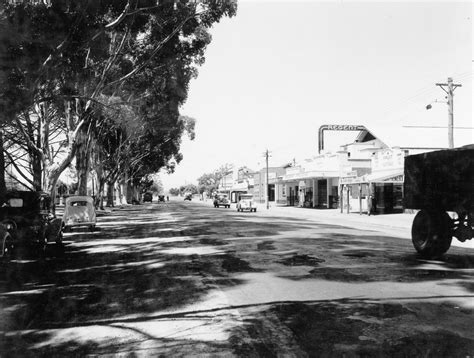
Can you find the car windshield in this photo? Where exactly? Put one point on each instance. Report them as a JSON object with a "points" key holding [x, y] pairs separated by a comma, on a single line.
{"points": [[78, 203]]}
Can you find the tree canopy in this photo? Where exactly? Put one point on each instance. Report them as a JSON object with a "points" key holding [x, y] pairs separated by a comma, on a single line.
{"points": [[107, 78]]}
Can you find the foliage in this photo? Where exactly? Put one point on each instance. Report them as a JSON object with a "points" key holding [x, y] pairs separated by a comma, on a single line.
{"points": [[152, 182], [70, 58], [174, 191], [209, 182], [188, 188]]}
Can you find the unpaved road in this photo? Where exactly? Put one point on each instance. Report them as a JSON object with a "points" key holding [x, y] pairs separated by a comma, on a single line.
{"points": [[186, 279]]}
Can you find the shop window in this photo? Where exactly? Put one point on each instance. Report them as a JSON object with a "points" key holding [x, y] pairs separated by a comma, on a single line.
{"points": [[365, 190], [354, 191]]}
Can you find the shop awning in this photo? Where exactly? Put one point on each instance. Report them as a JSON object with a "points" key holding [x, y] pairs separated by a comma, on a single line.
{"points": [[240, 187], [311, 175], [395, 176]]}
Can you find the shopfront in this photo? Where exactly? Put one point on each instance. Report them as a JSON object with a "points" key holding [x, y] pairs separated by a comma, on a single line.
{"points": [[313, 192], [381, 191]]}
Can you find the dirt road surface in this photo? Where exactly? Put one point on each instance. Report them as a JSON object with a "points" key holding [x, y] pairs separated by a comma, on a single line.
{"points": [[186, 279]]}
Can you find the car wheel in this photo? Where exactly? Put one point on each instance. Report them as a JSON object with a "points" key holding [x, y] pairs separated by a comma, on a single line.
{"points": [[431, 233], [6, 246]]}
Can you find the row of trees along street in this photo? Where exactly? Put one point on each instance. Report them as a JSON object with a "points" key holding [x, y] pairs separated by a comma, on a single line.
{"points": [[208, 183], [98, 85]]}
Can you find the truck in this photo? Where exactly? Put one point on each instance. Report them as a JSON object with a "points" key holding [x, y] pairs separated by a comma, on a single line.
{"points": [[440, 185]]}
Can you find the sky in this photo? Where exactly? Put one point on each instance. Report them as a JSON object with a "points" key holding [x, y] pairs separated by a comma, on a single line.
{"points": [[277, 71]]}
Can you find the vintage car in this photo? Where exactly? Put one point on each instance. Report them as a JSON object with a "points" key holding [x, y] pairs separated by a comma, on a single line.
{"points": [[161, 198], [188, 196], [79, 211], [221, 200], [148, 196], [28, 223], [246, 203]]}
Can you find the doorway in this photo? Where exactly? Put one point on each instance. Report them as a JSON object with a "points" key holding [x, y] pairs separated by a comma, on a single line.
{"points": [[322, 193]]}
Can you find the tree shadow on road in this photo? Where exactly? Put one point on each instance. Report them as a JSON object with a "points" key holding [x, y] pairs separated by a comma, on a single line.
{"points": [[142, 262]]}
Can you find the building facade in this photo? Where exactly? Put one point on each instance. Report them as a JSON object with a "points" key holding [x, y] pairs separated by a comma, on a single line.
{"points": [[276, 191]]}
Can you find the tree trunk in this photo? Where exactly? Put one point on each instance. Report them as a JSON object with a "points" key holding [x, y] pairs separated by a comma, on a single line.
{"points": [[110, 194], [3, 188], [124, 190], [129, 192], [119, 194], [37, 172], [52, 190], [82, 162], [100, 192]]}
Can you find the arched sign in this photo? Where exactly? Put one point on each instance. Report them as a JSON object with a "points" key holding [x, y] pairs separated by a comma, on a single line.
{"points": [[336, 127]]}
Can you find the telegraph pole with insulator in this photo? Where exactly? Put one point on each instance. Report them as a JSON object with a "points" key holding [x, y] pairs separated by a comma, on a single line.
{"points": [[449, 89]]}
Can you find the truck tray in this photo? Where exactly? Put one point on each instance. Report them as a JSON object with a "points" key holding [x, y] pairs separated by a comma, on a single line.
{"points": [[441, 180]]}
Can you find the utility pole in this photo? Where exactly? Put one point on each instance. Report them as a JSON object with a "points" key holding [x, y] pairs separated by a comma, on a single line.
{"points": [[266, 154], [449, 89]]}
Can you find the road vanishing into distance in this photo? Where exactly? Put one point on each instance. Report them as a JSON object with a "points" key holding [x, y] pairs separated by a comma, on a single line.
{"points": [[187, 279]]}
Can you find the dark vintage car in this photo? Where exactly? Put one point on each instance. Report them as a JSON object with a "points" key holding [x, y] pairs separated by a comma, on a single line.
{"points": [[148, 196], [27, 222], [221, 200]]}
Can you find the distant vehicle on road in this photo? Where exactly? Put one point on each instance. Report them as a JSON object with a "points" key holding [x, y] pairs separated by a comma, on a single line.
{"points": [[79, 211], [246, 203], [188, 196], [161, 198], [437, 183], [148, 196], [27, 221], [221, 200]]}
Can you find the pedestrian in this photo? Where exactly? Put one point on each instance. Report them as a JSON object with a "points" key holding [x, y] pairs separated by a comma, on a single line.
{"points": [[369, 204], [167, 198]]}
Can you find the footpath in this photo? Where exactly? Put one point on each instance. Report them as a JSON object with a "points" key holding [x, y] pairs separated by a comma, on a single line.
{"points": [[398, 225], [394, 221]]}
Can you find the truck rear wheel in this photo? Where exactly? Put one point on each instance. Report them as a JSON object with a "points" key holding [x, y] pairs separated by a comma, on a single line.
{"points": [[431, 233]]}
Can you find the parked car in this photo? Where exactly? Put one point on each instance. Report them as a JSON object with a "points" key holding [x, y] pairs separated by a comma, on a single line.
{"points": [[188, 196], [246, 203], [161, 198], [221, 200], [79, 211], [148, 196], [28, 223]]}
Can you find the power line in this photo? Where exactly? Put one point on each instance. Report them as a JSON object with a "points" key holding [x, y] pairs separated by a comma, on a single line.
{"points": [[438, 127]]}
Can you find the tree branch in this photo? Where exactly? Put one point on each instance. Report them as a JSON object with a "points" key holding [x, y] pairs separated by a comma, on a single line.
{"points": [[18, 169]]}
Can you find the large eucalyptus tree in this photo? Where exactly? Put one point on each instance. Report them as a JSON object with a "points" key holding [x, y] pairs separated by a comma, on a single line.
{"points": [[59, 59]]}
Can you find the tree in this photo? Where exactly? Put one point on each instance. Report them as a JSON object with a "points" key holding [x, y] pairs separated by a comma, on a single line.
{"points": [[152, 182], [209, 182], [189, 188], [65, 56], [174, 191]]}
